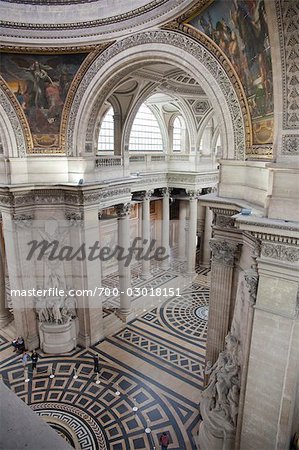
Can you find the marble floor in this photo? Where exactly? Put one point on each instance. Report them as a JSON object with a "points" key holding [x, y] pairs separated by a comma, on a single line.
{"points": [[151, 377]]}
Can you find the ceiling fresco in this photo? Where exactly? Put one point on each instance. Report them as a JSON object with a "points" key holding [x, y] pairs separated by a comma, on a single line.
{"points": [[240, 29], [41, 84]]}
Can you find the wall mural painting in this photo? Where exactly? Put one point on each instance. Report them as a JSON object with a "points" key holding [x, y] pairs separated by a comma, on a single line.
{"points": [[240, 29], [40, 84]]}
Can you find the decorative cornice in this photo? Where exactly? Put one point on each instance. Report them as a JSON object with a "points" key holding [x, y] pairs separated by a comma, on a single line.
{"points": [[74, 216], [88, 24], [280, 252], [224, 252]]}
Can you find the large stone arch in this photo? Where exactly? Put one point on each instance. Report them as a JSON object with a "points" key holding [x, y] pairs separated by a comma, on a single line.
{"points": [[12, 135], [134, 52]]}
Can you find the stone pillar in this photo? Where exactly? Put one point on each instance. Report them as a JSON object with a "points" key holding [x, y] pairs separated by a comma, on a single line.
{"points": [[206, 251], [165, 227], [17, 231], [272, 380], [192, 230], [123, 212], [5, 316], [201, 215], [86, 274], [223, 259], [146, 233], [182, 230]]}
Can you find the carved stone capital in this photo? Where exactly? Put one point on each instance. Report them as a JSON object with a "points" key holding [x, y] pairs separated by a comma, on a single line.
{"points": [[166, 191], [146, 195], [193, 194], [123, 210], [224, 252]]}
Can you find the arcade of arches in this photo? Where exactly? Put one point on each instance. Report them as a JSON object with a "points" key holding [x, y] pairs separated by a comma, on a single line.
{"points": [[149, 224]]}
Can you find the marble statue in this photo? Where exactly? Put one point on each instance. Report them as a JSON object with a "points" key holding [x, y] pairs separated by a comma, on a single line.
{"points": [[220, 399]]}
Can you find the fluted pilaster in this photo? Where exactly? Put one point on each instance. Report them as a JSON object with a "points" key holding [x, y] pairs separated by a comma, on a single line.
{"points": [[224, 254]]}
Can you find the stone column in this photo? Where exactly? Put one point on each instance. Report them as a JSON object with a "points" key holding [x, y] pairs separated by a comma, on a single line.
{"points": [[5, 316], [123, 212], [206, 251], [83, 228], [165, 227], [201, 215], [182, 230], [146, 233], [192, 229], [223, 259], [18, 232], [273, 366]]}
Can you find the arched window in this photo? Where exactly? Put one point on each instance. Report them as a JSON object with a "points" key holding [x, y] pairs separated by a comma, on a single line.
{"points": [[145, 133], [106, 134], [178, 134]]}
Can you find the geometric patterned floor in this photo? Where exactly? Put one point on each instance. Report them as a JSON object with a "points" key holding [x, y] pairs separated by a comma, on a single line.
{"points": [[155, 364]]}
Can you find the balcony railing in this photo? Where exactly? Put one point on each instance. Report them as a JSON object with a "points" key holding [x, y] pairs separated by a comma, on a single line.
{"points": [[108, 161]]}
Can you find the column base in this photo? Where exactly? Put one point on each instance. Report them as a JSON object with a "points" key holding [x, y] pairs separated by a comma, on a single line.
{"points": [[146, 276], [84, 340], [32, 343], [125, 315], [5, 319]]}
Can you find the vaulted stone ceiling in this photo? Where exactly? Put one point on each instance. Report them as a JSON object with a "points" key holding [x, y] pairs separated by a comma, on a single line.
{"points": [[82, 22]]}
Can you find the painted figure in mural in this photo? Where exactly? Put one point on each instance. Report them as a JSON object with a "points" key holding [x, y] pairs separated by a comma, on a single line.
{"points": [[40, 84], [240, 29], [40, 77]]}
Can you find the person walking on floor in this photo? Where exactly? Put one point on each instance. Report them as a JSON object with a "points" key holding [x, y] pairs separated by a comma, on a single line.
{"points": [[164, 441], [34, 359], [25, 359], [96, 362]]}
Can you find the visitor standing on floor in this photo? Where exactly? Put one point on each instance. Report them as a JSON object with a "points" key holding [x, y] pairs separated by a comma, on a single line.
{"points": [[96, 363], [34, 359], [25, 359], [164, 441]]}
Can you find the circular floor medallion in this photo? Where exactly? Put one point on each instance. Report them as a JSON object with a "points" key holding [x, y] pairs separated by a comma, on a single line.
{"points": [[76, 427], [202, 312]]}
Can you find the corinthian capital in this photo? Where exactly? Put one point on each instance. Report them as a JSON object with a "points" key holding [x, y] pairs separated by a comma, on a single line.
{"points": [[146, 195], [224, 252], [123, 210]]}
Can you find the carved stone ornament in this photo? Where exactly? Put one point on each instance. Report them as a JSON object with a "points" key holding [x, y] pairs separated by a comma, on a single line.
{"points": [[193, 194], [220, 399], [146, 195], [183, 42], [74, 216], [280, 252], [223, 221], [19, 128], [166, 191], [290, 145], [251, 278], [123, 210], [288, 26], [224, 252]]}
